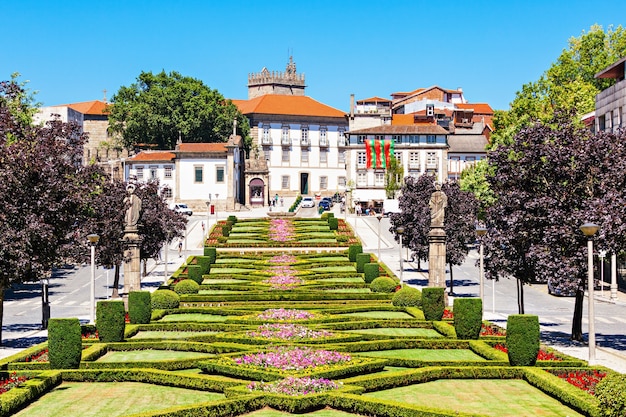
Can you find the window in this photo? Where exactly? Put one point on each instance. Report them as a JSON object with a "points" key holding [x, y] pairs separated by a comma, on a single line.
{"points": [[323, 183], [168, 171], [414, 139], [414, 160], [198, 177], [342, 136], [361, 178], [431, 159], [286, 156], [396, 138], [284, 182], [342, 157], [284, 137], [139, 172], [361, 138], [323, 137], [323, 156], [266, 153], [153, 172], [455, 164], [379, 179], [266, 135], [341, 181], [219, 174], [167, 192], [304, 155], [399, 157], [431, 139], [360, 159], [304, 135]]}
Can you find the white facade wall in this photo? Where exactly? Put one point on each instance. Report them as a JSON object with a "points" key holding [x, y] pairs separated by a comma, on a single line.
{"points": [[144, 171], [192, 188]]}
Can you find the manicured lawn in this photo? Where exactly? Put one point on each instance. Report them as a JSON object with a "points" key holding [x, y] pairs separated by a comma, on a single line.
{"points": [[149, 355], [268, 412], [230, 271], [347, 279], [326, 269], [330, 259], [151, 334], [426, 354], [112, 399], [497, 398], [381, 314], [400, 331], [350, 290], [233, 261], [193, 317], [224, 281]]}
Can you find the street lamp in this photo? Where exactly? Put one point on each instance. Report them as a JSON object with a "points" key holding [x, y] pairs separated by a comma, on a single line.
{"points": [[481, 231], [379, 216], [400, 232], [590, 229], [601, 255], [216, 197], [45, 304], [208, 214], [93, 239]]}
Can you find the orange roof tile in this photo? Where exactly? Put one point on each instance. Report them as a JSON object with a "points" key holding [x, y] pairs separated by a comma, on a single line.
{"points": [[374, 99], [401, 129], [202, 147], [287, 105], [482, 108], [153, 156], [90, 107]]}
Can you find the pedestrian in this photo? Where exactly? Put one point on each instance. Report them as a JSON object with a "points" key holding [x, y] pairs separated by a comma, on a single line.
{"points": [[180, 248], [202, 227], [276, 200], [282, 202]]}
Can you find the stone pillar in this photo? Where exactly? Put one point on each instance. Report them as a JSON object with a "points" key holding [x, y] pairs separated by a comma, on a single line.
{"points": [[132, 264], [437, 257]]}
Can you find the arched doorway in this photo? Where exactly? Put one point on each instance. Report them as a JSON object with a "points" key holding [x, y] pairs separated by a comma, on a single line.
{"points": [[256, 192]]}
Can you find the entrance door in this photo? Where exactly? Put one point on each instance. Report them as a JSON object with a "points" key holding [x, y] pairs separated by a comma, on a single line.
{"points": [[256, 192], [304, 183]]}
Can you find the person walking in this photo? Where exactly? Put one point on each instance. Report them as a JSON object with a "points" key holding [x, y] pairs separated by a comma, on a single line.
{"points": [[180, 248]]}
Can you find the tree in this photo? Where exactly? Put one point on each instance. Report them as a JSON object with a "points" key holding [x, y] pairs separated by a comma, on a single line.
{"points": [[42, 192], [160, 109], [473, 179], [393, 178]]}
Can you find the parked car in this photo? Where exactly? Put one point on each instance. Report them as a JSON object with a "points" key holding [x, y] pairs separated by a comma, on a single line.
{"points": [[307, 202], [561, 292], [330, 200], [181, 208], [325, 204]]}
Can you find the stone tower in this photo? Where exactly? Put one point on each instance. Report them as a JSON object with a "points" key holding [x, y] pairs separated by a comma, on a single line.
{"points": [[287, 83]]}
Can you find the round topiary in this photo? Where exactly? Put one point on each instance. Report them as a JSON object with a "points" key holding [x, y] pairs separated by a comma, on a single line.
{"points": [[522, 339], [468, 317], [110, 320], [433, 303], [611, 394], [186, 286], [164, 300], [64, 343], [407, 297], [139, 310], [383, 284]]}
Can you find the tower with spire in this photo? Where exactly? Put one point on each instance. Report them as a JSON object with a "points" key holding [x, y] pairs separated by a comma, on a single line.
{"points": [[288, 83]]}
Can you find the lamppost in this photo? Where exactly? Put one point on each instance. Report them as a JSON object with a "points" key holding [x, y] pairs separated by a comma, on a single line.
{"points": [[481, 231], [45, 304], [167, 249], [93, 239], [400, 232], [590, 229], [216, 197], [208, 214], [379, 217], [601, 255]]}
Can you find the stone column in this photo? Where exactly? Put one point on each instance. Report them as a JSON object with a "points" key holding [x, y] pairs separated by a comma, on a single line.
{"points": [[132, 265], [437, 257]]}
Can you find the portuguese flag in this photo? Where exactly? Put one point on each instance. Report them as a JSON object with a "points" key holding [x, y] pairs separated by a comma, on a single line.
{"points": [[378, 153]]}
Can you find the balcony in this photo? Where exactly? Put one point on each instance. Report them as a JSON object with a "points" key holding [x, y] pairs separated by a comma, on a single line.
{"points": [[285, 141], [342, 141], [324, 143], [266, 140], [305, 142]]}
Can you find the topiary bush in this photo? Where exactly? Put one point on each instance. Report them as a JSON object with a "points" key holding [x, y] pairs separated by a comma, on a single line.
{"points": [[232, 218], [433, 303], [205, 264], [361, 260], [64, 343], [211, 253], [333, 223], [383, 284], [194, 272], [164, 300], [225, 230], [139, 309], [522, 339], [371, 271], [110, 320], [407, 297], [468, 317], [186, 286], [611, 394], [353, 250]]}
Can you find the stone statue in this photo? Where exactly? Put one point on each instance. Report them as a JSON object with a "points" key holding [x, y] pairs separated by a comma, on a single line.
{"points": [[133, 204], [438, 203]]}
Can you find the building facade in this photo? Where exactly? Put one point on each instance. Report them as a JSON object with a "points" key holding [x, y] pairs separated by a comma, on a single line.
{"points": [[611, 102]]}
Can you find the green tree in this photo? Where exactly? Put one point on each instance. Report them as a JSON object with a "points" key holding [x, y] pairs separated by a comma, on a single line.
{"points": [[159, 109], [473, 179], [393, 178]]}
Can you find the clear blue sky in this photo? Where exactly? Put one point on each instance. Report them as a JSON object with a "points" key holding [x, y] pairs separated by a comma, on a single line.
{"points": [[71, 51]]}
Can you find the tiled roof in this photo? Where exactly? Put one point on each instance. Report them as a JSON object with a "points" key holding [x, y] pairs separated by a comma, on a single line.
{"points": [[415, 129], [374, 99], [467, 143], [287, 105], [482, 108], [201, 147], [153, 156], [90, 107]]}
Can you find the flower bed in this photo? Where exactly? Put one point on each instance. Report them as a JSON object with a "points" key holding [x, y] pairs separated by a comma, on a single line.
{"points": [[284, 314], [287, 332], [586, 380], [283, 278], [12, 381], [288, 358], [295, 386], [281, 230], [541, 356]]}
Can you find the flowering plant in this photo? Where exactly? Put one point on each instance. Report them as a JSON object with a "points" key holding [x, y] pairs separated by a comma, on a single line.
{"points": [[487, 330], [281, 230], [11, 381], [285, 314], [289, 358], [283, 278], [295, 386], [541, 356], [282, 259], [586, 380], [38, 357], [287, 332]]}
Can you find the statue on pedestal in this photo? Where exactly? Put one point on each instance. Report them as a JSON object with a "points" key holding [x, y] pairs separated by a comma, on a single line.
{"points": [[438, 203], [133, 210]]}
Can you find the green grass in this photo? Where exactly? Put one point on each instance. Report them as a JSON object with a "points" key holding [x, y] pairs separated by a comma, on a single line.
{"points": [[426, 354], [381, 314], [112, 399], [150, 355], [230, 271], [329, 259], [199, 317], [268, 412], [347, 279], [350, 290], [233, 261], [326, 269], [153, 334], [497, 398], [224, 281], [400, 332]]}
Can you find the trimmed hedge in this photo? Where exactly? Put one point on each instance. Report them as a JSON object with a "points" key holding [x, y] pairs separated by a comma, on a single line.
{"points": [[205, 263], [383, 284], [361, 260], [194, 272], [186, 286], [407, 297], [164, 300], [211, 253], [370, 271], [611, 394], [468, 317], [433, 303], [110, 320], [522, 339], [353, 250], [333, 223], [139, 309], [64, 343]]}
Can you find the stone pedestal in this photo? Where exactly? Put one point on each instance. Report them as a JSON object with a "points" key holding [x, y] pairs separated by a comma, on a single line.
{"points": [[132, 264], [437, 257]]}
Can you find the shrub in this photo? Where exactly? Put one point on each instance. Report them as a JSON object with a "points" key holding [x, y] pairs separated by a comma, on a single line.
{"points": [[232, 219], [433, 303], [611, 394], [225, 231], [522, 339], [194, 272], [64, 343], [205, 264], [333, 223], [371, 272], [211, 253], [164, 300], [383, 284], [139, 310], [468, 317], [361, 260], [187, 286], [407, 297], [110, 320], [353, 250]]}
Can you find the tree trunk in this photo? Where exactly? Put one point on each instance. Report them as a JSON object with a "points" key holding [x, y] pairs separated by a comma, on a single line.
{"points": [[577, 320], [116, 282], [520, 296], [451, 292]]}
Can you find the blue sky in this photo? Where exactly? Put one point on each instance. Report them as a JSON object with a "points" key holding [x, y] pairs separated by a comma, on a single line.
{"points": [[71, 51]]}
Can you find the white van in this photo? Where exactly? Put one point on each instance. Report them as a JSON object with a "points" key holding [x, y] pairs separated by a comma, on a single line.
{"points": [[181, 208]]}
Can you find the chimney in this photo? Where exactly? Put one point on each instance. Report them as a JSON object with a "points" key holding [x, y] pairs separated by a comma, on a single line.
{"points": [[352, 106]]}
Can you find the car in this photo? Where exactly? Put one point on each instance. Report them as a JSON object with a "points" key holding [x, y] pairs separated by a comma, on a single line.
{"points": [[182, 208], [561, 291], [307, 202], [330, 200], [325, 204]]}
